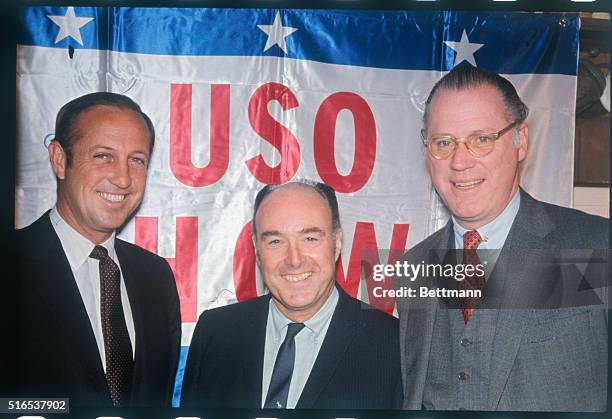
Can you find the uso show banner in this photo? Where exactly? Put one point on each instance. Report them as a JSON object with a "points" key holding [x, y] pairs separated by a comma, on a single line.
{"points": [[241, 98]]}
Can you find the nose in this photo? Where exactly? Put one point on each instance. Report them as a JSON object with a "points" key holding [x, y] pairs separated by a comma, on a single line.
{"points": [[120, 175], [462, 158], [294, 257]]}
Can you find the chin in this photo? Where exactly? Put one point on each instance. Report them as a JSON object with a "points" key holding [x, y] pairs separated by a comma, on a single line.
{"points": [[109, 226]]}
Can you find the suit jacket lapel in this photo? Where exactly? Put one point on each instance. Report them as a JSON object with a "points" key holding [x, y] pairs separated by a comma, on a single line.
{"points": [[340, 333], [515, 264], [58, 286], [416, 329], [140, 327]]}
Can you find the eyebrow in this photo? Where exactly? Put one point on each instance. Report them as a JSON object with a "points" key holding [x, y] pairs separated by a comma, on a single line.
{"points": [[105, 147], [477, 131], [309, 230], [312, 230], [269, 233]]}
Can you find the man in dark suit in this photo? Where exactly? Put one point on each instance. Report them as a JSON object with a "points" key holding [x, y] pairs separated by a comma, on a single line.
{"points": [[536, 339], [307, 344], [99, 318]]}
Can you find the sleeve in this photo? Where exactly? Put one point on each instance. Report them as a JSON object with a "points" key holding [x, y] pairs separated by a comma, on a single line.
{"points": [[174, 327], [191, 378]]}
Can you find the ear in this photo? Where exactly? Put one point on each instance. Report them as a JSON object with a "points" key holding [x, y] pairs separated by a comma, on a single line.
{"points": [[338, 243], [57, 157], [523, 133]]}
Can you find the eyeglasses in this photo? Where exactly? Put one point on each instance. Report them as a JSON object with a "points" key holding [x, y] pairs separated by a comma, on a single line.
{"points": [[478, 144]]}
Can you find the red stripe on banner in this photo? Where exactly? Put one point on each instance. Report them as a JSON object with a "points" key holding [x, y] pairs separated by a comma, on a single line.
{"points": [[244, 265], [364, 255], [146, 234], [272, 131], [180, 135], [325, 136], [184, 265]]}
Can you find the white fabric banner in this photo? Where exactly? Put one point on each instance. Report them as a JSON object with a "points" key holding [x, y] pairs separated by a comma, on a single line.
{"points": [[228, 124]]}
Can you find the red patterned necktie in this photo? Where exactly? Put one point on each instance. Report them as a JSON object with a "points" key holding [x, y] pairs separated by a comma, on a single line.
{"points": [[117, 345], [471, 241]]}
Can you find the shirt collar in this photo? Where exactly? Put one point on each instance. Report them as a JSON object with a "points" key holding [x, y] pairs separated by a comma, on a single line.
{"points": [[315, 324], [76, 247], [494, 233]]}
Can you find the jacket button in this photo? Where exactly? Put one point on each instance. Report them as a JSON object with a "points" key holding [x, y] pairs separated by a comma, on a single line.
{"points": [[465, 342], [462, 376]]}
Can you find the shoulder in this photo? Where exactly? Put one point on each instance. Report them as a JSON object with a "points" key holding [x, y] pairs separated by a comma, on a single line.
{"points": [[242, 319], [149, 273], [146, 260], [369, 317], [135, 250], [37, 239], [436, 241], [575, 217], [572, 227], [234, 314], [42, 226]]}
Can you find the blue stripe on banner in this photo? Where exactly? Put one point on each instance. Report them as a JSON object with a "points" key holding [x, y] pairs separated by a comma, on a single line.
{"points": [[412, 40], [178, 381], [38, 28]]}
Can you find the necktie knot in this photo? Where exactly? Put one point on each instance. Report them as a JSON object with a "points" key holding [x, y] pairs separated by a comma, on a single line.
{"points": [[99, 252], [471, 240], [293, 329]]}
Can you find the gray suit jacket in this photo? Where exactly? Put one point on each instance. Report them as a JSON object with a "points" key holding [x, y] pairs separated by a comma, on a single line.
{"points": [[543, 359]]}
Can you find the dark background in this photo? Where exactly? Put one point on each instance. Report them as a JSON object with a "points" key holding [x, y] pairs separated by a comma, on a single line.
{"points": [[589, 173]]}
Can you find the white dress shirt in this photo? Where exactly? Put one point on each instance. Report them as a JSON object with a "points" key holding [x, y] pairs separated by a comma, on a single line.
{"points": [[86, 273], [307, 345]]}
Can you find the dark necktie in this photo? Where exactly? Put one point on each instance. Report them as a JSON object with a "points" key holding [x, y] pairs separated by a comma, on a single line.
{"points": [[117, 345], [471, 241], [283, 369]]}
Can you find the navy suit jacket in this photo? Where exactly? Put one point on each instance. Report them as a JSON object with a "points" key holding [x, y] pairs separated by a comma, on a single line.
{"points": [[56, 349], [357, 366]]}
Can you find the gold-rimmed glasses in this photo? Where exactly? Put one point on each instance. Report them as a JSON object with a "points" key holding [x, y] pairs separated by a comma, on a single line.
{"points": [[479, 144]]}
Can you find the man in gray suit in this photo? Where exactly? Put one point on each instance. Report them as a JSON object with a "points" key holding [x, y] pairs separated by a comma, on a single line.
{"points": [[534, 340]]}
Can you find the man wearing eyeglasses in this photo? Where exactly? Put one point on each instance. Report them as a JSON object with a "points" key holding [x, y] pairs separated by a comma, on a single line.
{"points": [[519, 337]]}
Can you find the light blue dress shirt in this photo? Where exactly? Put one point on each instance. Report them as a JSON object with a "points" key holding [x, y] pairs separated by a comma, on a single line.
{"points": [[307, 345], [493, 234]]}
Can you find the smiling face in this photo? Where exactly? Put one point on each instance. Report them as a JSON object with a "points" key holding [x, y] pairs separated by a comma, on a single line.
{"points": [[105, 180], [475, 189], [297, 249]]}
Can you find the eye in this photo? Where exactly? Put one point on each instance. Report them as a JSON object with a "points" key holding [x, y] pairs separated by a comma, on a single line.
{"points": [[312, 239], [273, 242], [102, 156], [443, 142], [139, 161], [484, 139]]}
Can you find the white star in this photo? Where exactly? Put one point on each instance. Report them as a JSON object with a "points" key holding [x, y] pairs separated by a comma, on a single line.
{"points": [[465, 50], [276, 33], [70, 25]]}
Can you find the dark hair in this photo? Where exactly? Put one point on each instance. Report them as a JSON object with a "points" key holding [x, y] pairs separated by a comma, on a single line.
{"points": [[465, 77], [326, 192], [69, 113]]}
